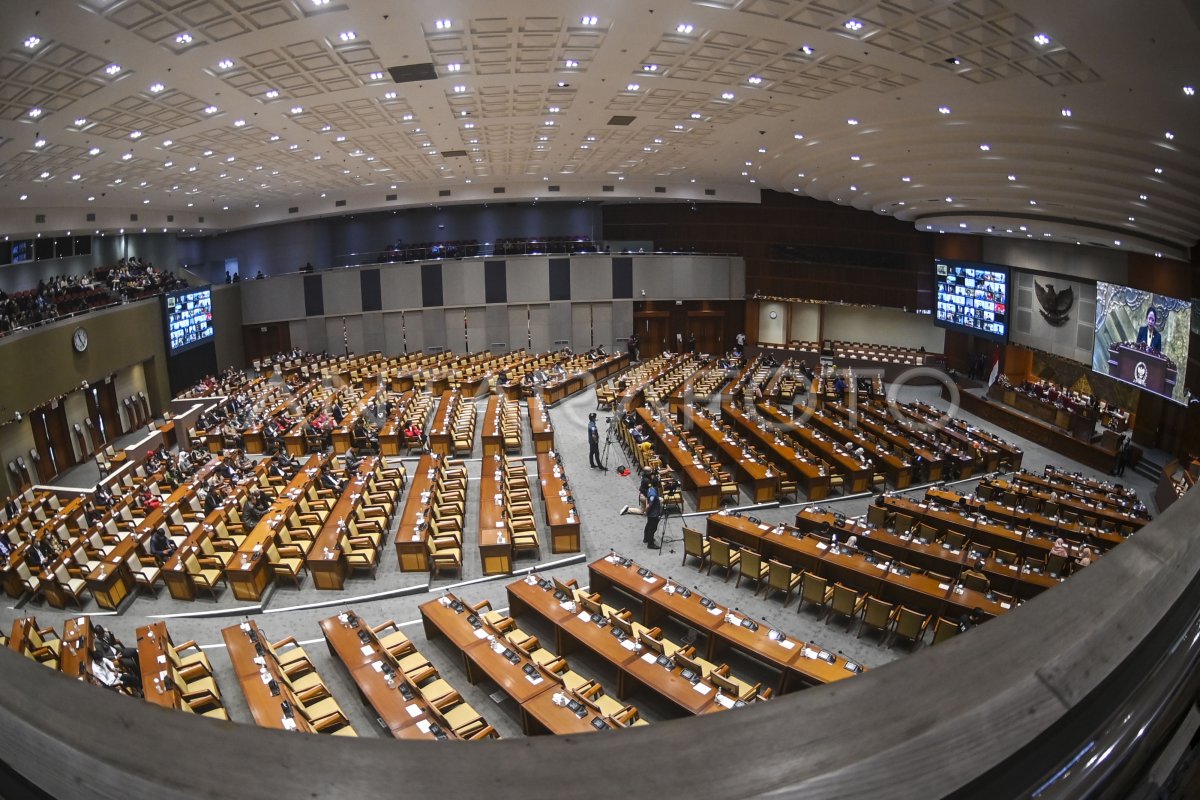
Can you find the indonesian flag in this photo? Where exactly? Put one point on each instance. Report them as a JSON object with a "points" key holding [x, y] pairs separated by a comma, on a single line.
{"points": [[995, 373]]}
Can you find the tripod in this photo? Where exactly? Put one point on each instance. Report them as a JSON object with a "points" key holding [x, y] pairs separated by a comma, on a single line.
{"points": [[609, 436], [664, 531]]}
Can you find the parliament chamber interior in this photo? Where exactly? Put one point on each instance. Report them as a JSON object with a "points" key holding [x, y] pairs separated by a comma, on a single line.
{"points": [[808, 388]]}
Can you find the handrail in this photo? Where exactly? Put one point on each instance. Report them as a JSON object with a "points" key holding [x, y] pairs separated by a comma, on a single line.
{"points": [[991, 713]]}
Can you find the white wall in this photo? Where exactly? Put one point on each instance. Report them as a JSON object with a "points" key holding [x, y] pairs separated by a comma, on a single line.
{"points": [[1064, 259], [772, 331], [806, 322], [883, 326]]}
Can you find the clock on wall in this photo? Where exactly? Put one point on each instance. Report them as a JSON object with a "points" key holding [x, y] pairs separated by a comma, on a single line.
{"points": [[774, 315], [79, 340]]}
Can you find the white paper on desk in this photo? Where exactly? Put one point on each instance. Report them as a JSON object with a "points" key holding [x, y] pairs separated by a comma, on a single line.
{"points": [[650, 579], [822, 546], [1013, 567], [716, 611], [649, 658], [246, 565], [480, 633], [367, 650], [810, 653], [414, 710], [944, 586], [629, 644], [265, 676], [1006, 605], [723, 701], [289, 724], [534, 679], [423, 726], [377, 666], [789, 644], [881, 566], [162, 659], [763, 527], [569, 605], [702, 688]]}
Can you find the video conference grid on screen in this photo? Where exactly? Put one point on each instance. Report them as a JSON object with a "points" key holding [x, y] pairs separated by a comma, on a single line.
{"points": [[189, 318], [973, 297], [1142, 339]]}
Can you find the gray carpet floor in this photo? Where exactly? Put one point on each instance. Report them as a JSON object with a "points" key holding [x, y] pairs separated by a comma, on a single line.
{"points": [[600, 495]]}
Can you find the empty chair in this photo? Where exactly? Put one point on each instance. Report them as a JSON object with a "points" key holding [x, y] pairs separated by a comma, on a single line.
{"points": [[845, 602], [902, 523], [877, 516], [909, 625], [944, 629], [1004, 556], [721, 554], [781, 578], [814, 589], [925, 532], [752, 567], [955, 539], [695, 544], [877, 614]]}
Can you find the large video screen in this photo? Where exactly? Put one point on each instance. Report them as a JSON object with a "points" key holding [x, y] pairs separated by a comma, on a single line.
{"points": [[972, 297], [1142, 339], [189, 318]]}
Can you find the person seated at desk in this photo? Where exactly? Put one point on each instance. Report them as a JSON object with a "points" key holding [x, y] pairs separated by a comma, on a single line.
{"points": [[241, 461], [105, 673], [225, 471], [365, 435], [1085, 557], [254, 508], [279, 469], [971, 620], [501, 378], [353, 459], [336, 412], [161, 546], [331, 481], [1148, 334], [639, 435], [6, 548]]}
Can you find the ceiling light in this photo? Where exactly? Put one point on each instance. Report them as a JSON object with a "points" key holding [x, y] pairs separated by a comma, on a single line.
{"points": [[754, 80], [407, 117], [943, 109], [852, 25], [1012, 177], [297, 109], [571, 63], [1033, 202], [80, 122], [225, 63], [39, 143], [127, 156], [239, 123], [460, 88], [24, 197], [695, 115], [1066, 112], [376, 76], [683, 27], [853, 188], [807, 50], [906, 179], [1041, 40], [553, 109], [1189, 90], [192, 168], [1022, 228], [962, 224], [231, 159], [293, 147], [1158, 170], [726, 95], [183, 38], [168, 142], [949, 199], [168, 164], [210, 110], [454, 67], [347, 36], [985, 147], [35, 112], [1143, 197], [92, 199], [442, 24], [851, 121], [469, 125], [155, 88], [1131, 219], [207, 153], [135, 134], [112, 69], [1170, 136], [95, 151], [650, 67], [44, 175], [632, 87], [271, 94], [547, 122], [32, 42], [336, 139], [1117, 242], [761, 149], [589, 21], [591, 138]]}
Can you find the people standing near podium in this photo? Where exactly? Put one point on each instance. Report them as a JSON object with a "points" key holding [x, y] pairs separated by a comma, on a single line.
{"points": [[1149, 334], [1123, 448]]}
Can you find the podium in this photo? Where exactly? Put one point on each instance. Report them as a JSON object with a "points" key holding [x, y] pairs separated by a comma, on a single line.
{"points": [[1149, 371]]}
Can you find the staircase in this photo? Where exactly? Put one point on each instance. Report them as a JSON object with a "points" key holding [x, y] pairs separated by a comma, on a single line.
{"points": [[1149, 470]]}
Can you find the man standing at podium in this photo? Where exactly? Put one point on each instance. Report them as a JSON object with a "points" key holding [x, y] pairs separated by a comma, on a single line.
{"points": [[1149, 334]]}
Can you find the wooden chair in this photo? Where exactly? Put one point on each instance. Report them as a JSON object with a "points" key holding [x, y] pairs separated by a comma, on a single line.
{"points": [[695, 544], [845, 602], [877, 614], [944, 629], [816, 590], [722, 555], [781, 578], [751, 566], [910, 625]]}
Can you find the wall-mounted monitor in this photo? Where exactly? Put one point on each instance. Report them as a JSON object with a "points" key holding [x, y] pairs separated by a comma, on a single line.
{"points": [[971, 297], [1142, 339], [189, 319]]}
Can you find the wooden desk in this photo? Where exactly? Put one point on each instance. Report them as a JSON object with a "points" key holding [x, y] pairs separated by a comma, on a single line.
{"points": [[256, 673], [812, 478], [692, 475], [325, 561], [412, 549], [249, 572], [541, 714], [450, 617], [562, 516], [492, 435], [540, 425], [495, 547], [75, 652], [441, 429], [112, 581], [759, 476], [857, 475], [157, 686]]}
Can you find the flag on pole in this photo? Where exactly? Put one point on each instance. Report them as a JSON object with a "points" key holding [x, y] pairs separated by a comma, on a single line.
{"points": [[995, 373]]}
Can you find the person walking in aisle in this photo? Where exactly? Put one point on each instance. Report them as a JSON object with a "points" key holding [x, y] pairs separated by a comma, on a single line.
{"points": [[593, 443]]}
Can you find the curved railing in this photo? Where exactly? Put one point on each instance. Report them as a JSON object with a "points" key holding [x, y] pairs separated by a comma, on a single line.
{"points": [[1072, 695]]}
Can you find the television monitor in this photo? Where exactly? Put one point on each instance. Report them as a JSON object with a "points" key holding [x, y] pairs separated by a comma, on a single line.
{"points": [[1142, 339], [21, 251], [189, 319], [972, 297]]}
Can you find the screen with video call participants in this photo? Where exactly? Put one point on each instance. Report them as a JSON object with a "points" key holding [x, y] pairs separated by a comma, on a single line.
{"points": [[188, 317], [1142, 339], [972, 297]]}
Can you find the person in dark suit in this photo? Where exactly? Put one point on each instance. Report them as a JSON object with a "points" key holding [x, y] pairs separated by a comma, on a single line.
{"points": [[161, 546], [593, 433], [331, 481], [1149, 334], [653, 515], [337, 413]]}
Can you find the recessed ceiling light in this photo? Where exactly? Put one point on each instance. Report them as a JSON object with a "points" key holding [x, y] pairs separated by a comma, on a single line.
{"points": [[127, 156], [442, 24], [336, 139], [210, 110], [632, 87], [207, 153], [407, 117], [853, 188], [949, 199], [297, 109], [683, 27], [271, 94], [155, 88], [852, 121], [678, 127], [44, 175], [32, 42], [591, 138], [454, 67], [347, 36], [962, 224], [650, 67], [761, 149], [376, 76], [1170, 136], [754, 80], [695, 115], [80, 122], [548, 122], [112, 69], [1066, 112], [852, 25], [1022, 228], [35, 112], [1143, 197], [225, 63], [183, 38], [459, 88], [95, 151], [906, 179], [24, 197], [168, 142], [293, 147], [1117, 242], [856, 158], [807, 50], [1012, 177], [1033, 202], [1189, 90], [571, 63], [39, 143], [192, 168], [985, 147], [92, 199], [588, 20], [726, 95], [553, 109], [1131, 219], [389, 95], [1041, 40], [943, 109], [797, 136], [1158, 170], [168, 164]]}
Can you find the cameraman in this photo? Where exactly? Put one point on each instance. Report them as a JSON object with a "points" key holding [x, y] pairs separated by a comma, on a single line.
{"points": [[593, 443]]}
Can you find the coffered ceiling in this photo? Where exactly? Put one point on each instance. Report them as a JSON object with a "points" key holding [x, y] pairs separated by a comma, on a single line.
{"points": [[1066, 121]]}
